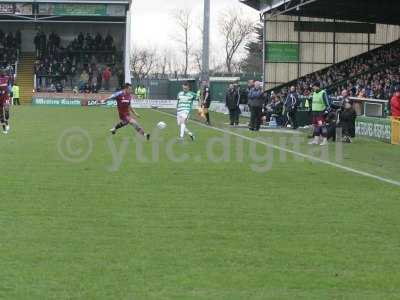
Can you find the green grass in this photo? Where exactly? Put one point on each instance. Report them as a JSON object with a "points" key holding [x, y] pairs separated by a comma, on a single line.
{"points": [[193, 230]]}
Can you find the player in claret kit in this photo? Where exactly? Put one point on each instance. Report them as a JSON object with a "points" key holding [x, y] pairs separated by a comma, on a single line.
{"points": [[4, 101], [124, 99]]}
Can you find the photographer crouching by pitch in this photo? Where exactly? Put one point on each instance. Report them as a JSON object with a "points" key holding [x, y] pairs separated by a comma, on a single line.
{"points": [[347, 118], [341, 115]]}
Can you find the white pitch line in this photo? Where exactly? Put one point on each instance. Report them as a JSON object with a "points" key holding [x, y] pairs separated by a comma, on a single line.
{"points": [[309, 157]]}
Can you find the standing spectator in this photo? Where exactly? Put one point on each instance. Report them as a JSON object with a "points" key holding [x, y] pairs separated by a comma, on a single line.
{"points": [[109, 42], [143, 91], [121, 78], [18, 40], [291, 105], [98, 40], [106, 78], [244, 96], [256, 104], [320, 104], [2, 37], [42, 43], [15, 93], [80, 40], [232, 100], [99, 80], [10, 40], [395, 103]]}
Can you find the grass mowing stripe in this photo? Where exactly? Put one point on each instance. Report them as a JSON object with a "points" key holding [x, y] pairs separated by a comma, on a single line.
{"points": [[306, 156]]}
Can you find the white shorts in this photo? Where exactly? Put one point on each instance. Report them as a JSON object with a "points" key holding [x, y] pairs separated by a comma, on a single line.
{"points": [[181, 117]]}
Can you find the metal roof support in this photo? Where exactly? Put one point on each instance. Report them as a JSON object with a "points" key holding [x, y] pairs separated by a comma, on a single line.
{"points": [[288, 7]]}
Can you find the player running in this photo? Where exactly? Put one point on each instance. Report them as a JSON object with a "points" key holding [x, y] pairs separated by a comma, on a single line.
{"points": [[183, 110], [124, 99], [4, 101]]}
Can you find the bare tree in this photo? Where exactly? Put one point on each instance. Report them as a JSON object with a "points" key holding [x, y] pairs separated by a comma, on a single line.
{"points": [[235, 30], [143, 62], [198, 58], [183, 20]]}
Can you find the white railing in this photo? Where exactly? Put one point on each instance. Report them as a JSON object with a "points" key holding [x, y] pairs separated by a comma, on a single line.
{"points": [[371, 107]]}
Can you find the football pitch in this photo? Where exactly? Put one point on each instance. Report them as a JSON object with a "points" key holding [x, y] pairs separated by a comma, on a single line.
{"points": [[87, 215]]}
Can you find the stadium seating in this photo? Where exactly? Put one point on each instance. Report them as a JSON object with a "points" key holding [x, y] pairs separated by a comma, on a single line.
{"points": [[9, 51], [372, 74], [80, 65]]}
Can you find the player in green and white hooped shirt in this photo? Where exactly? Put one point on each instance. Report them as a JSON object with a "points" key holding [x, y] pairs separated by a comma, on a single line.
{"points": [[183, 110]]}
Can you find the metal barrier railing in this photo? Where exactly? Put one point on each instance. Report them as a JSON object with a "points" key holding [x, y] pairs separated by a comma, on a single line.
{"points": [[371, 107]]}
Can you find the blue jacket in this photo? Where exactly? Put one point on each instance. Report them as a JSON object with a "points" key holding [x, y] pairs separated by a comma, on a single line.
{"points": [[256, 98]]}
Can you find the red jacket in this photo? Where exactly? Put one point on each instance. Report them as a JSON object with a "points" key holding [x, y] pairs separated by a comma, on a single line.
{"points": [[106, 74], [395, 105]]}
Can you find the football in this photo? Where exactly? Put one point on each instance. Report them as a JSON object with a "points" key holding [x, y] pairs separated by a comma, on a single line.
{"points": [[162, 125]]}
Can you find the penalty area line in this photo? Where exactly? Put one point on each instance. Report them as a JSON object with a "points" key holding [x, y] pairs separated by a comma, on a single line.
{"points": [[299, 154]]}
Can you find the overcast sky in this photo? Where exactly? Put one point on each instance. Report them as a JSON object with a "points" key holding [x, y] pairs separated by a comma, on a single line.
{"points": [[153, 25]]}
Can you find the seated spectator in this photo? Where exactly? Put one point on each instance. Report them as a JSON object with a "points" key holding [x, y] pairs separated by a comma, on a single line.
{"points": [[83, 80], [86, 88], [93, 85], [274, 110], [52, 88], [59, 87], [362, 94]]}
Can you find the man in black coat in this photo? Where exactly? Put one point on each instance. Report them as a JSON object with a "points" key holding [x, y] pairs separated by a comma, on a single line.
{"points": [[244, 94], [232, 100]]}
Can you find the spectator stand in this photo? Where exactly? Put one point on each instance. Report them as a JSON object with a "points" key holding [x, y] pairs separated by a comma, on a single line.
{"points": [[10, 45], [55, 41], [86, 64], [349, 71]]}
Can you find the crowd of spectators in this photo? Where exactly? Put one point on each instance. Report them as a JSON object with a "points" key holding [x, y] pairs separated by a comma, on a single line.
{"points": [[87, 64], [10, 45], [370, 75], [379, 85]]}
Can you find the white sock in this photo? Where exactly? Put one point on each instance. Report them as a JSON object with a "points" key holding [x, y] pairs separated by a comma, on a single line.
{"points": [[188, 131], [183, 129]]}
